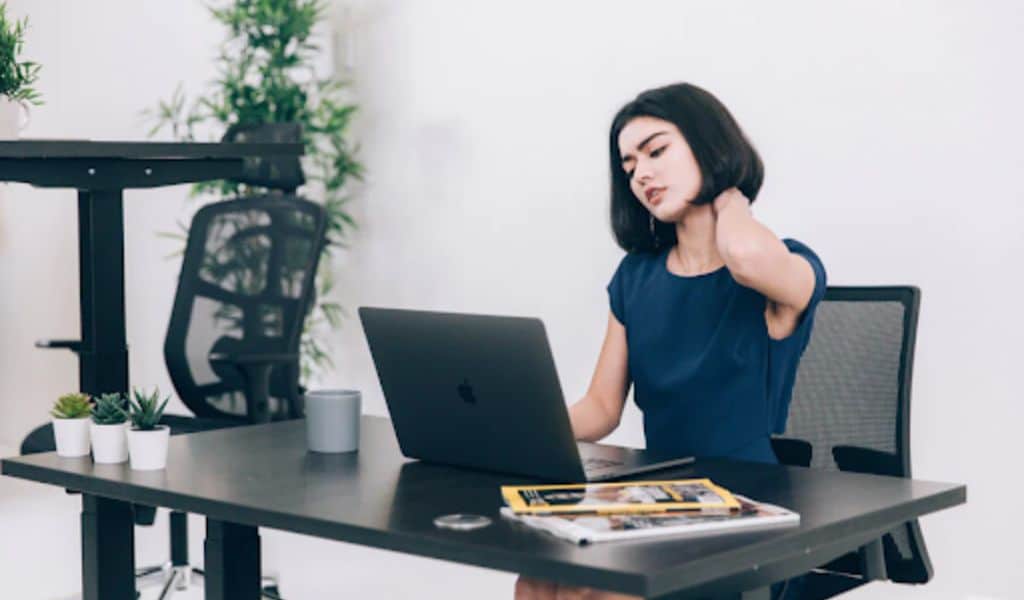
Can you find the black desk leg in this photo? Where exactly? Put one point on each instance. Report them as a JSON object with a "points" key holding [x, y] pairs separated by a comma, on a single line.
{"points": [[232, 561], [108, 549], [872, 556], [103, 357]]}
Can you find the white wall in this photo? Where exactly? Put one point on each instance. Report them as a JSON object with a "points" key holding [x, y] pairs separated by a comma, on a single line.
{"points": [[103, 62], [890, 134]]}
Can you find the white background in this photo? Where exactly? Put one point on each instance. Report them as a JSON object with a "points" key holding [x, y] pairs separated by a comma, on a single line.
{"points": [[891, 134]]}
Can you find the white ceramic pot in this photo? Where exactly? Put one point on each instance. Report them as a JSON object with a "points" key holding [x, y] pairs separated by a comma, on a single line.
{"points": [[72, 436], [13, 118], [109, 443], [147, 450]]}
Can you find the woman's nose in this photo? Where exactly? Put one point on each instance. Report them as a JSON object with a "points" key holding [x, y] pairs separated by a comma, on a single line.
{"points": [[642, 173]]}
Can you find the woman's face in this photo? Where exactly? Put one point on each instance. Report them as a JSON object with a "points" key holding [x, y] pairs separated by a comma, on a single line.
{"points": [[662, 171]]}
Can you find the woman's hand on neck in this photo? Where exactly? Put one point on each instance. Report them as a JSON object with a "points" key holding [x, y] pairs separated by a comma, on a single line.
{"points": [[735, 229], [731, 197]]}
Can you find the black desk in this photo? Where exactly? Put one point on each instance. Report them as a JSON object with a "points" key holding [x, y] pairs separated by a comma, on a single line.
{"points": [[101, 171], [262, 476]]}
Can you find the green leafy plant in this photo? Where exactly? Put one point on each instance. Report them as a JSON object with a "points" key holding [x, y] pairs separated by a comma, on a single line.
{"points": [[110, 409], [16, 78], [267, 76], [146, 409], [72, 406]]}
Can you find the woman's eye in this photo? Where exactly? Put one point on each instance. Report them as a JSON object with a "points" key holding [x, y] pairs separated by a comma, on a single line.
{"points": [[656, 153]]}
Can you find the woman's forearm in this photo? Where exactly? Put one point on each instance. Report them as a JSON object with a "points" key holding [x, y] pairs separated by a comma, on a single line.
{"points": [[590, 420], [739, 235]]}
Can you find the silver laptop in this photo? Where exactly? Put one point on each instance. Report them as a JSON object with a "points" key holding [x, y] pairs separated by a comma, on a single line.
{"points": [[481, 391]]}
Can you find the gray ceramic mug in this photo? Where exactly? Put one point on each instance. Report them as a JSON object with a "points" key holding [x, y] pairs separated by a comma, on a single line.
{"points": [[332, 420]]}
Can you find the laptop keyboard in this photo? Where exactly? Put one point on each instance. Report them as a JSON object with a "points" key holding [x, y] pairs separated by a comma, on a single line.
{"points": [[597, 464]]}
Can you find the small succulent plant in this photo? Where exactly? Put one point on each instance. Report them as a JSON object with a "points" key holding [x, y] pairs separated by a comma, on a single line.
{"points": [[72, 406], [110, 409], [146, 409]]}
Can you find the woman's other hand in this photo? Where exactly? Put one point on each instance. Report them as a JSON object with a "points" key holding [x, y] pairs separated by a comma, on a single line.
{"points": [[728, 197]]}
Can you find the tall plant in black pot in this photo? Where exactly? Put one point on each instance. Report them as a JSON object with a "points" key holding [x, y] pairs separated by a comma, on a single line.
{"points": [[267, 76]]}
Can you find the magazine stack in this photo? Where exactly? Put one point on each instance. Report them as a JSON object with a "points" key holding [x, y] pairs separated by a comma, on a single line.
{"points": [[601, 512]]}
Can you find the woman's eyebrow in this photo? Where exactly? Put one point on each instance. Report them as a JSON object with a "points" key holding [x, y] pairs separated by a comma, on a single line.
{"points": [[647, 140]]}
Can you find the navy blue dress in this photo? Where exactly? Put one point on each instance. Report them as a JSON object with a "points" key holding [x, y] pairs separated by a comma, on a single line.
{"points": [[706, 375]]}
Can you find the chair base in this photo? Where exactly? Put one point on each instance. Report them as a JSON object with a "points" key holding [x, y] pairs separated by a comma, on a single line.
{"points": [[177, 574], [179, 578]]}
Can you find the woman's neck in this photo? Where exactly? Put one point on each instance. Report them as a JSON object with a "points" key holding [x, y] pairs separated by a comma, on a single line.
{"points": [[696, 250]]}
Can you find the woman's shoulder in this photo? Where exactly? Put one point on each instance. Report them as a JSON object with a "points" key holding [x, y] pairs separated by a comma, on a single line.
{"points": [[640, 260], [798, 247], [635, 264]]}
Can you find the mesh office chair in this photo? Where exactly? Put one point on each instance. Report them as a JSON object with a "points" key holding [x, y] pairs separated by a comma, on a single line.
{"points": [[232, 344], [246, 286], [851, 412]]}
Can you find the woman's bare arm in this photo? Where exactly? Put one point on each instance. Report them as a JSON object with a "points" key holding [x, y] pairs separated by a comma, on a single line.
{"points": [[757, 258], [598, 413]]}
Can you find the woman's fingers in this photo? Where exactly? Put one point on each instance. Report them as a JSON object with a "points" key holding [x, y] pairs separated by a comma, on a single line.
{"points": [[535, 589]]}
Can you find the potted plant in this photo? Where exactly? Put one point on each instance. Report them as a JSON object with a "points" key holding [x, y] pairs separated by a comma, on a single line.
{"points": [[71, 424], [109, 423], [147, 439], [16, 78]]}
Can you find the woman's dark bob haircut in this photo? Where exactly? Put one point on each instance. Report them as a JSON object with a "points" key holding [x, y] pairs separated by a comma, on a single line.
{"points": [[725, 157]]}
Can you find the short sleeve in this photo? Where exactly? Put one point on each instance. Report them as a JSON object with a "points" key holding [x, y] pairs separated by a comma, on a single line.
{"points": [[617, 290], [820, 284]]}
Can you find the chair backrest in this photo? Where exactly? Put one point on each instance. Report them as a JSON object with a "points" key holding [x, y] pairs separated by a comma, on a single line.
{"points": [[246, 286], [851, 400], [277, 172]]}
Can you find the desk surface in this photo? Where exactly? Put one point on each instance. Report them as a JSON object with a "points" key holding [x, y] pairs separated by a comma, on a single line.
{"points": [[112, 165], [73, 149], [262, 475]]}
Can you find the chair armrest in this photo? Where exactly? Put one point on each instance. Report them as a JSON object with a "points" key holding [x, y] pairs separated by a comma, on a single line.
{"points": [[253, 359], [793, 452], [72, 345], [867, 460]]}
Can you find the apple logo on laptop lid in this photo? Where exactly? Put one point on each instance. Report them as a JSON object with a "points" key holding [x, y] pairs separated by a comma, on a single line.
{"points": [[466, 392]]}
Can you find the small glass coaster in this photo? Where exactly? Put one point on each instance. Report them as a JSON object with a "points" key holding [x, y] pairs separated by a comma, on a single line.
{"points": [[462, 522]]}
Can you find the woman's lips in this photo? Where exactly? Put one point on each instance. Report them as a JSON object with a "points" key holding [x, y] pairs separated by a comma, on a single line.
{"points": [[654, 195]]}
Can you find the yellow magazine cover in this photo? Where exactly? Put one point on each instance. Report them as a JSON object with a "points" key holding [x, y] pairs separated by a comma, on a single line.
{"points": [[620, 497]]}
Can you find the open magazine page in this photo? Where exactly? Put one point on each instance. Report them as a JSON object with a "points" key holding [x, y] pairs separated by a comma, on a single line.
{"points": [[620, 497], [584, 529]]}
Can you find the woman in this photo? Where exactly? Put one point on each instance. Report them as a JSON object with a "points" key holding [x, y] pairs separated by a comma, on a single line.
{"points": [[710, 310]]}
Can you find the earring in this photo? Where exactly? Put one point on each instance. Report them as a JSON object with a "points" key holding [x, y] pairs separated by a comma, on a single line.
{"points": [[654, 233]]}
